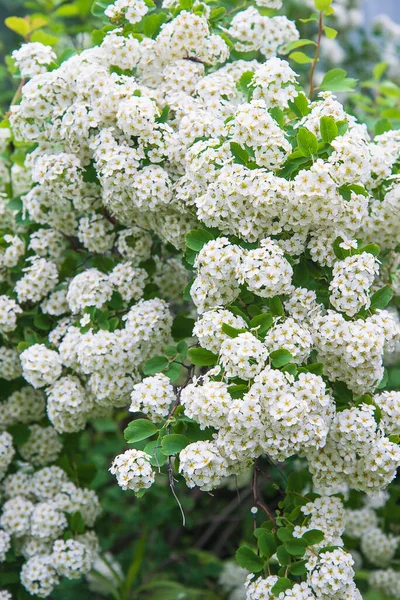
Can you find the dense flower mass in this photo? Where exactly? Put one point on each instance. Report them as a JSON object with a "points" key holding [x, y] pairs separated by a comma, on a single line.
{"points": [[201, 243]]}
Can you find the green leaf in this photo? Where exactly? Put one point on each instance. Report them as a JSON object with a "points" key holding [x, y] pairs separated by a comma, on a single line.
{"points": [[281, 585], [155, 365], [329, 129], [241, 155], [381, 298], [42, 322], [371, 249], [267, 544], [232, 331], [98, 8], [379, 70], [296, 547], [322, 4], [182, 327], [283, 556], [174, 443], [76, 523], [330, 32], [298, 44], [197, 238], [280, 357], [152, 24], [217, 14], [20, 433], [153, 449], [138, 430], [300, 58], [295, 482], [249, 560], [202, 357], [18, 25], [336, 80], [307, 142], [244, 84], [315, 368], [284, 534], [381, 126], [298, 568], [263, 322], [276, 306], [314, 536], [300, 105]]}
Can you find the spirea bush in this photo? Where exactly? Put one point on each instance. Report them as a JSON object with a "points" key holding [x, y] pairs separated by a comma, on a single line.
{"points": [[191, 234]]}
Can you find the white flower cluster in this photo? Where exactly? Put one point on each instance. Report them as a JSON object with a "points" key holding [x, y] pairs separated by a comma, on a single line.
{"points": [[153, 396], [133, 470], [33, 58]]}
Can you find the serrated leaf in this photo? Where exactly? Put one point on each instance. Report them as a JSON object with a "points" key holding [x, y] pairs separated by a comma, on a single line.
{"points": [[138, 430]]}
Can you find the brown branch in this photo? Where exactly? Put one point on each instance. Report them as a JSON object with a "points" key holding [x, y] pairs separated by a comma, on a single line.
{"points": [[256, 498], [16, 96], [320, 29]]}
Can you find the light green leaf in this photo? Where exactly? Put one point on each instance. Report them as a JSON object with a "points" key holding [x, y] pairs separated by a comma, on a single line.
{"points": [[197, 238], [329, 129], [307, 142], [202, 357], [300, 58], [155, 365], [138, 430]]}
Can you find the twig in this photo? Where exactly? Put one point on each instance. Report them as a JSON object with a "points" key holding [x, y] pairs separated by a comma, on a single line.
{"points": [[172, 486], [256, 499], [320, 29], [16, 96]]}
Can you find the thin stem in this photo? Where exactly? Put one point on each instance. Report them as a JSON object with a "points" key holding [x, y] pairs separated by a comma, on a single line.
{"points": [[257, 501], [16, 96], [320, 29]]}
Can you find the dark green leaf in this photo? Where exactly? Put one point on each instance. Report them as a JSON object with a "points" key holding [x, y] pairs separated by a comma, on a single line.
{"points": [[280, 357], [249, 560], [281, 585], [314, 536], [381, 298], [155, 365], [174, 443]]}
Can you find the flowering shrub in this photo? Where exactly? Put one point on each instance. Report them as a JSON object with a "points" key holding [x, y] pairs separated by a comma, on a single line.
{"points": [[188, 232]]}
